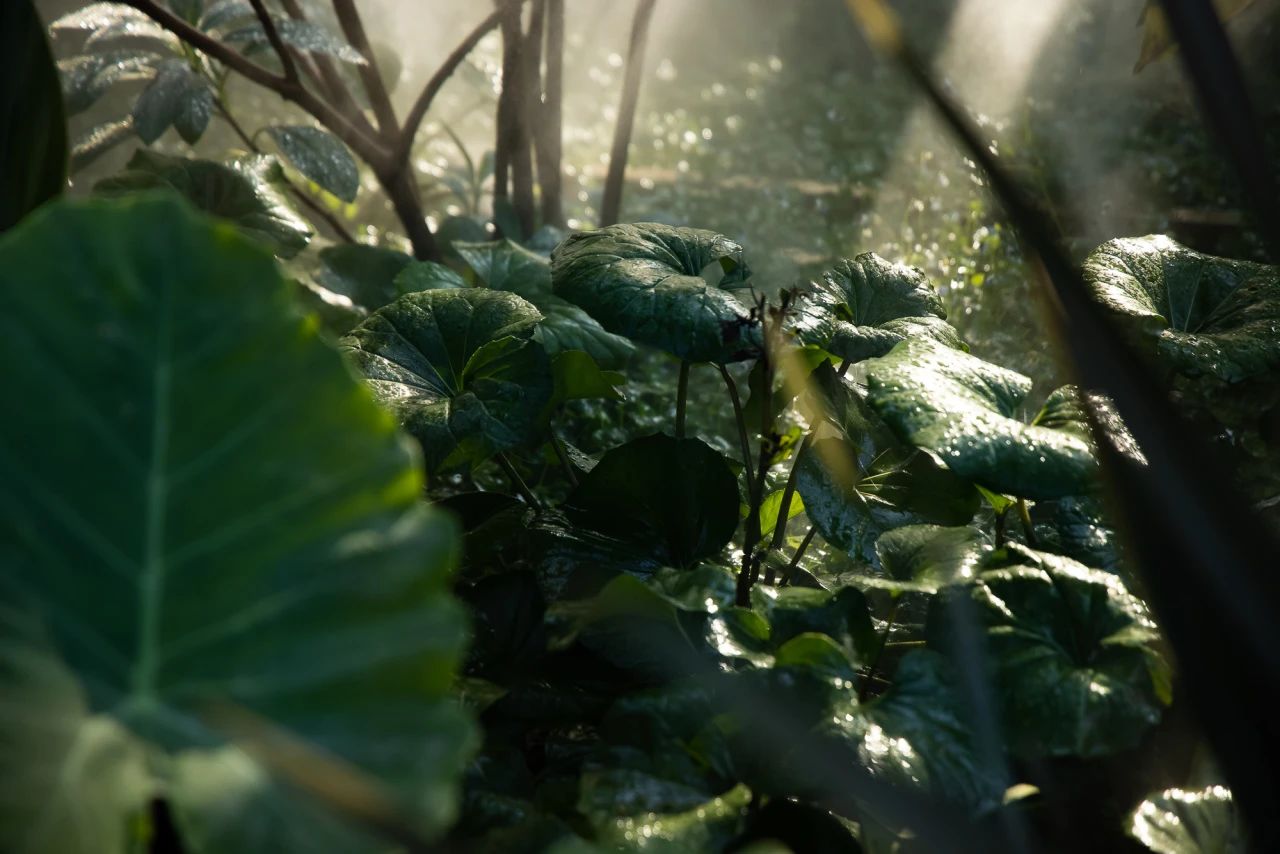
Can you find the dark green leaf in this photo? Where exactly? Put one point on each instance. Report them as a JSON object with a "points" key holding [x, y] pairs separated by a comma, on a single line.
{"points": [[578, 377], [85, 79], [33, 144], [842, 616], [427, 276], [367, 275], [458, 369], [178, 98], [866, 305], [1197, 314], [1072, 653], [233, 524], [676, 498], [226, 13], [643, 281], [187, 10], [1181, 822], [304, 35], [506, 266], [248, 193], [321, 157], [964, 411], [927, 558]]}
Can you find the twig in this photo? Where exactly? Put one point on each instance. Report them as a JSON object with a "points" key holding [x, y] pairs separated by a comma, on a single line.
{"points": [[741, 421], [563, 457], [875, 659], [328, 77], [419, 109], [353, 29], [800, 550], [518, 482], [277, 43]]}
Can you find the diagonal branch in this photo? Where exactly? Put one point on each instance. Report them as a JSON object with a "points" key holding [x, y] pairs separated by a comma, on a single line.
{"points": [[353, 29], [329, 80], [371, 150], [277, 43], [419, 110]]}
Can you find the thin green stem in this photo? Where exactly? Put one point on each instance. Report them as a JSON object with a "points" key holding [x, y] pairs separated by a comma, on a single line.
{"points": [[800, 550], [682, 398], [563, 457], [875, 659], [788, 492], [844, 367], [518, 482], [744, 441], [1000, 525], [1027, 527]]}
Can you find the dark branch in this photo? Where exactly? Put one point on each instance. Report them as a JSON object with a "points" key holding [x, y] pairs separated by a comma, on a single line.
{"points": [[353, 29], [277, 43]]}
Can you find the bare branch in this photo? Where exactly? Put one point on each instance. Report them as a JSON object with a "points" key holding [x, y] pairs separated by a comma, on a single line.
{"points": [[330, 81], [277, 43], [419, 111], [353, 29]]}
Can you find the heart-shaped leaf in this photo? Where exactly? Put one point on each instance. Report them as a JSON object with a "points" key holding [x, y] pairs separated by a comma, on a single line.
{"points": [[1072, 653], [1199, 822], [321, 157], [205, 522], [674, 498], [644, 281], [459, 370], [866, 305], [1198, 314], [507, 266], [247, 192], [964, 411], [33, 147]]}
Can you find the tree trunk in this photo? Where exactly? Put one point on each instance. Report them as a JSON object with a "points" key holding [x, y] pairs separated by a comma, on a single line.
{"points": [[402, 190], [512, 162], [549, 127], [611, 206]]}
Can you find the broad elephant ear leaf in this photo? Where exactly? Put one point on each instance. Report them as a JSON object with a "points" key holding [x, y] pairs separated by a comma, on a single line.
{"points": [[864, 306], [33, 147], [506, 266], [1073, 653], [1177, 821], [644, 281], [246, 192], [1197, 314], [927, 558], [459, 369], [232, 524], [963, 411]]}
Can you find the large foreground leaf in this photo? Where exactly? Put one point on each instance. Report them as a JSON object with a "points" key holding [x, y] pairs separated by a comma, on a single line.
{"points": [[203, 518], [865, 305], [33, 146], [507, 266], [247, 193], [1200, 315], [964, 411], [459, 370], [1073, 653], [643, 281]]}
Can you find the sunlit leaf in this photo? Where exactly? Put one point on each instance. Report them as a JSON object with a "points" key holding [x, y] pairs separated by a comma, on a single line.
{"points": [[321, 157], [1198, 822]]}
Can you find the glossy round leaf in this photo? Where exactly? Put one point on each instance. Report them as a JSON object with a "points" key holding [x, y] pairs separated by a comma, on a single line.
{"points": [[644, 281], [506, 266], [1198, 314], [248, 193], [1072, 652], [459, 370], [964, 411], [864, 306], [203, 513]]}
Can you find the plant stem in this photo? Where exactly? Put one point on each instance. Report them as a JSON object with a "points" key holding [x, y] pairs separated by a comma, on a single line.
{"points": [[1027, 527], [784, 507], [844, 367], [743, 441], [800, 550], [277, 43], [875, 659], [563, 457], [682, 398], [1000, 525], [518, 482], [353, 28], [611, 205]]}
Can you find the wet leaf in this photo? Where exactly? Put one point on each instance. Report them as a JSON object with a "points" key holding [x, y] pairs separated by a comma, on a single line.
{"points": [[866, 305], [85, 79], [964, 411], [367, 275], [927, 558], [304, 35], [1181, 822], [177, 98], [458, 369], [246, 192], [1196, 314], [321, 157], [1072, 653], [643, 281]]}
